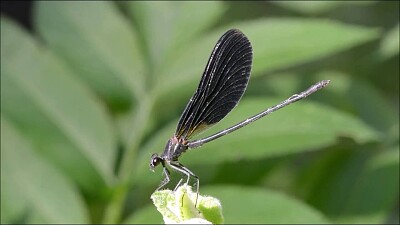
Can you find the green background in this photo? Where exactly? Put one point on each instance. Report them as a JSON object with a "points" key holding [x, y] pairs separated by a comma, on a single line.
{"points": [[99, 86]]}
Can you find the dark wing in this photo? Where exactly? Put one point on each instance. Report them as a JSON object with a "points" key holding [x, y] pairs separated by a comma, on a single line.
{"points": [[222, 85]]}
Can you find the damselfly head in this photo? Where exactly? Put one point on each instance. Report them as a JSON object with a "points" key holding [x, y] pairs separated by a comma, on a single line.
{"points": [[154, 161]]}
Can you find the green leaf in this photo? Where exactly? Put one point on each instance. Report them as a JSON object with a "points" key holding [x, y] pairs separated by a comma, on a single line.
{"points": [[296, 128], [266, 206], [277, 44], [374, 194], [31, 188], [390, 43], [353, 184], [318, 7], [166, 27], [98, 43], [250, 205], [300, 127], [362, 100], [280, 43], [60, 115]]}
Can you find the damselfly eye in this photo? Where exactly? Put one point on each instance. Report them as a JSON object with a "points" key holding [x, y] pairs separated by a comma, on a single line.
{"points": [[155, 160]]}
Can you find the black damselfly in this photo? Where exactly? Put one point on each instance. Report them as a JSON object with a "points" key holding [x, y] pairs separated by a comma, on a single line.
{"points": [[222, 85]]}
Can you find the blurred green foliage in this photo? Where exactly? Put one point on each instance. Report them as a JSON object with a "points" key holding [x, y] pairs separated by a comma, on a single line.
{"points": [[99, 86]]}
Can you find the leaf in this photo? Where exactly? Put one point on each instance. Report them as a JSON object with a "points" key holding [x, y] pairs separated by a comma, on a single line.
{"points": [[266, 206], [166, 27], [301, 127], [277, 44], [362, 100], [98, 43], [318, 7], [376, 191], [354, 184], [294, 129], [250, 205], [390, 43], [61, 116], [275, 47], [31, 188]]}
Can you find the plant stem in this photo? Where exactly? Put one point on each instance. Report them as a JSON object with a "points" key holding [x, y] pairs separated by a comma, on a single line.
{"points": [[115, 207]]}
